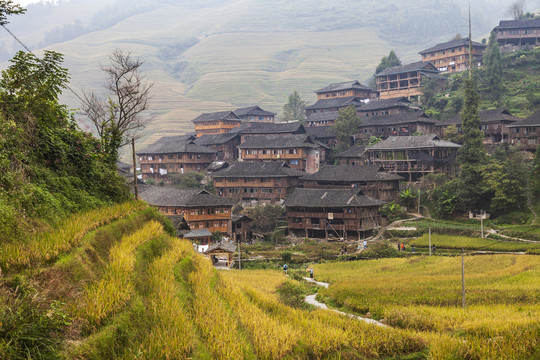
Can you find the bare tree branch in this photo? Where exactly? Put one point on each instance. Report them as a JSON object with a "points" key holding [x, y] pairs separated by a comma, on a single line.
{"points": [[516, 9]]}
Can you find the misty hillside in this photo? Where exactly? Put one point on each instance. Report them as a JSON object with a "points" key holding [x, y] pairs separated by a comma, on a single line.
{"points": [[211, 55]]}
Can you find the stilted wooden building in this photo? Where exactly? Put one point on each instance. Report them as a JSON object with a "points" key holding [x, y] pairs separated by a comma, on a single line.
{"points": [[404, 81], [453, 56]]}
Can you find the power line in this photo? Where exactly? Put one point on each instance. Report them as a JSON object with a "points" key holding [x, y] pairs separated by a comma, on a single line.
{"points": [[41, 61]]}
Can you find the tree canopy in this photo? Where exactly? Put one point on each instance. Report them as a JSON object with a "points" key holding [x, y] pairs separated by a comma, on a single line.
{"points": [[7, 7], [494, 72], [346, 126], [294, 109], [388, 61]]}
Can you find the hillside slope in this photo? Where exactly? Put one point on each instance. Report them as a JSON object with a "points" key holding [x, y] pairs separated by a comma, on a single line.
{"points": [[216, 55]]}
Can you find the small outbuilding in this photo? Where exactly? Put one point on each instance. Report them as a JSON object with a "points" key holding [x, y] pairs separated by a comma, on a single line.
{"points": [[223, 249]]}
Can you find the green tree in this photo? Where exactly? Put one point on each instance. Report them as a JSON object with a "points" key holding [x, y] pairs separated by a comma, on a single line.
{"points": [[536, 172], [346, 126], [264, 217], [9, 8], [388, 61], [472, 154], [430, 88], [505, 177], [493, 66], [294, 109]]}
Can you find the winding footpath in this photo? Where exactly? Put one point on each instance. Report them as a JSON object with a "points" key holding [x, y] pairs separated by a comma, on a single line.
{"points": [[310, 299]]}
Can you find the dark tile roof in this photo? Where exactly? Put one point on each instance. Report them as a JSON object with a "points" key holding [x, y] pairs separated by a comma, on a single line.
{"points": [[223, 245], [486, 116], [191, 198], [355, 151], [384, 104], [533, 120], [197, 233], [398, 119], [322, 116], [321, 132], [412, 142], [173, 145], [220, 115], [123, 166], [518, 24], [295, 127], [218, 139], [329, 198], [240, 217], [347, 85], [451, 44], [419, 65], [257, 169], [335, 103], [278, 141], [252, 111], [351, 173]]}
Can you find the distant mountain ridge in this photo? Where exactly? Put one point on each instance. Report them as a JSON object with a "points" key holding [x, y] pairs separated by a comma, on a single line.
{"points": [[215, 55]]}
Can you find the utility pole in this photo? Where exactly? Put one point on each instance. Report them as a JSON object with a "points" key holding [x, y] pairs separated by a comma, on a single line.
{"points": [[430, 241], [239, 257], [418, 201], [462, 278], [134, 170]]}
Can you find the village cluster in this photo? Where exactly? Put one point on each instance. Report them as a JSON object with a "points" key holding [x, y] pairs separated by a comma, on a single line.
{"points": [[254, 160]]}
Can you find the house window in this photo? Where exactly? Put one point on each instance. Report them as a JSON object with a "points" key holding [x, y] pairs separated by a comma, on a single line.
{"points": [[292, 151], [293, 162]]}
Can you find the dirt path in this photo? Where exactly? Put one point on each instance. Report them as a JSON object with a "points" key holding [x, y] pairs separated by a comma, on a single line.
{"points": [[310, 299]]}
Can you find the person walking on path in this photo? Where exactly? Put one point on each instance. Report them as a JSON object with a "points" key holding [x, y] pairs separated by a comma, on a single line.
{"points": [[365, 244], [311, 272], [345, 249], [285, 268], [412, 247], [433, 248], [402, 247]]}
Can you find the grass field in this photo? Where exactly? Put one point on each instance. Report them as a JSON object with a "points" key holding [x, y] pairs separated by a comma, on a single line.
{"points": [[474, 243]]}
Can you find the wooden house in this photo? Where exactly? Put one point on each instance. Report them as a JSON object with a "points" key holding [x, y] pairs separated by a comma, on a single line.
{"points": [[264, 129], [413, 157], [453, 56], [405, 124], [201, 209], [524, 32], [346, 89], [255, 114], [352, 156], [392, 106], [201, 237], [316, 119], [325, 135], [256, 182], [373, 180], [241, 228], [225, 145], [324, 213], [216, 123], [332, 105], [404, 81], [173, 155], [494, 123], [526, 133], [299, 151]]}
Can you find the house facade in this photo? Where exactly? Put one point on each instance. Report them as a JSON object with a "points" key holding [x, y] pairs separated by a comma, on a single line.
{"points": [[346, 89], [327, 118], [201, 209], [255, 114], [225, 145], [413, 157], [352, 156], [332, 213], [173, 155], [525, 32], [215, 123], [404, 81], [264, 129], [373, 180], [453, 56], [526, 133], [405, 124], [299, 151], [385, 107], [494, 123], [254, 182], [332, 105]]}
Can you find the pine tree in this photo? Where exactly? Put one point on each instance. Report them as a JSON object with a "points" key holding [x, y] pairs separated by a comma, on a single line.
{"points": [[492, 61], [388, 61], [294, 109]]}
